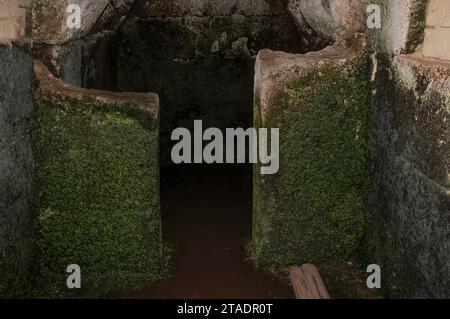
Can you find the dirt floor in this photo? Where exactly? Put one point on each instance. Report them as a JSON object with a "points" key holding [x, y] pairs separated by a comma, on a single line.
{"points": [[207, 216]]}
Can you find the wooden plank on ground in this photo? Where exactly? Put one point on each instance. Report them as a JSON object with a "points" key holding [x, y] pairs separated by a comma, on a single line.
{"points": [[308, 283]]}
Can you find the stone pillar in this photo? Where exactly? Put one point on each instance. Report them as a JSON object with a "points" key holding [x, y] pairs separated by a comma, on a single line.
{"points": [[313, 209], [97, 188], [410, 148]]}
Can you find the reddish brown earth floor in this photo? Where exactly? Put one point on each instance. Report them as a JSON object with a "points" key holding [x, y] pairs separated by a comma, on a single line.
{"points": [[207, 217]]}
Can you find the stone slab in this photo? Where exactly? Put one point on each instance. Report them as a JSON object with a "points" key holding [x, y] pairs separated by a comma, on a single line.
{"points": [[437, 43], [438, 13]]}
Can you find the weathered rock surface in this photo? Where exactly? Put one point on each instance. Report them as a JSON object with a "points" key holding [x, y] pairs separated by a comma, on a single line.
{"points": [[113, 16], [311, 209], [411, 148], [402, 26], [275, 68], [437, 32], [97, 176], [411, 140], [334, 19], [178, 8], [89, 62], [50, 18], [437, 43], [437, 13], [209, 51], [13, 18], [16, 168]]}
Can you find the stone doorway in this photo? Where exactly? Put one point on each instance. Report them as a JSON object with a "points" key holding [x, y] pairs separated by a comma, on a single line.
{"points": [[201, 62], [202, 67]]}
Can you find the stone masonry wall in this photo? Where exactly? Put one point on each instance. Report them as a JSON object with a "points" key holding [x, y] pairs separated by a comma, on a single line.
{"points": [[13, 18], [16, 167], [437, 31], [411, 151], [199, 57], [411, 144]]}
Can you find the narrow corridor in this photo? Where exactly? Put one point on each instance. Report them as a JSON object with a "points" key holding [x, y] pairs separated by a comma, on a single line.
{"points": [[207, 217]]}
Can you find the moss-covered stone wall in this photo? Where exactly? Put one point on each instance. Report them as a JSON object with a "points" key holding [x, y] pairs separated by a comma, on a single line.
{"points": [[316, 208], [97, 192]]}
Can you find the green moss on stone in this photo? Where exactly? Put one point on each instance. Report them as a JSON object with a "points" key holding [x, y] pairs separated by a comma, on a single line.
{"points": [[416, 31], [315, 209], [15, 281], [97, 203]]}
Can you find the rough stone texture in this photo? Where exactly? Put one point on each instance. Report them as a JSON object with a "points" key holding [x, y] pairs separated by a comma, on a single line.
{"points": [[403, 22], [179, 8], [437, 32], [163, 8], [201, 63], [412, 151], [333, 19], [113, 16], [314, 209], [273, 69], [97, 188], [67, 61], [89, 62], [16, 168], [99, 61], [437, 43], [437, 13], [50, 19], [13, 18]]}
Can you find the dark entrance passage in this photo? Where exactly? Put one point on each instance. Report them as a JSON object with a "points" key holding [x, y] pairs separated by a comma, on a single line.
{"points": [[207, 217], [207, 210], [203, 69]]}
